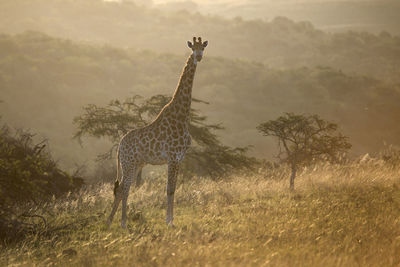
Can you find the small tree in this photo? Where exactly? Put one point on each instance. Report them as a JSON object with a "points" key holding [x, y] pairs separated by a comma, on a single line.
{"points": [[305, 139], [207, 155]]}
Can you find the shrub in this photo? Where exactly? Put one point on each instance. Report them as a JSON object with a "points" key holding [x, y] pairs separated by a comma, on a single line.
{"points": [[28, 176]]}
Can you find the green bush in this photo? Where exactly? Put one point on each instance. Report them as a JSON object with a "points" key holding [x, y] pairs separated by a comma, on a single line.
{"points": [[28, 176]]}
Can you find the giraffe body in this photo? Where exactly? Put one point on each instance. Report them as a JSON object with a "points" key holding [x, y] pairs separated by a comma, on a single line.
{"points": [[164, 141]]}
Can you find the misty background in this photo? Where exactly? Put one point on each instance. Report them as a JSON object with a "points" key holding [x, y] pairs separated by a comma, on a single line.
{"points": [[338, 59]]}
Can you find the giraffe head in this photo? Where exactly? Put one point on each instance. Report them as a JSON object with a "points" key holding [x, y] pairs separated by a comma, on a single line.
{"points": [[197, 48]]}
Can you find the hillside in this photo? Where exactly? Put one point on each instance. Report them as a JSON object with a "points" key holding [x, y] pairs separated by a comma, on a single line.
{"points": [[331, 15], [278, 43], [339, 216], [45, 81]]}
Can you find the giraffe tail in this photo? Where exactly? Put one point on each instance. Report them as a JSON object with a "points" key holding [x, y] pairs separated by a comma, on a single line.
{"points": [[117, 181]]}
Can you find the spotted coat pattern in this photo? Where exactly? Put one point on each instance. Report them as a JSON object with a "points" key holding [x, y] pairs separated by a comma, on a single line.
{"points": [[164, 141]]}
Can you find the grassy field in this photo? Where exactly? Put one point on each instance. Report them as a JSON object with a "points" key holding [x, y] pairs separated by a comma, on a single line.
{"points": [[345, 215]]}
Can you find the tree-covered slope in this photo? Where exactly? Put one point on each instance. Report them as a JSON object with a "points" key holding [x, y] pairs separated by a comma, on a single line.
{"points": [[332, 15], [45, 82], [278, 43]]}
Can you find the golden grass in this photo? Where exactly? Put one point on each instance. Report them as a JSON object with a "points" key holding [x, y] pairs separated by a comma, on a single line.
{"points": [[338, 216]]}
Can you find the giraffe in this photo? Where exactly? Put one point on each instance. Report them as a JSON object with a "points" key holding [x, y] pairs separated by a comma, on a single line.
{"points": [[163, 141]]}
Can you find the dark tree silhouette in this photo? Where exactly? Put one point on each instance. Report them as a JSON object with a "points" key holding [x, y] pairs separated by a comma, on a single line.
{"points": [[305, 139], [207, 155]]}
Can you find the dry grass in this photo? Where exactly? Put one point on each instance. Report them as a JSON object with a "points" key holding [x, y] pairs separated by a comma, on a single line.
{"points": [[338, 216]]}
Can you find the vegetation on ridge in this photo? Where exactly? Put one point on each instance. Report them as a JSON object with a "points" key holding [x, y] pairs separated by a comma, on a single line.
{"points": [[279, 43]]}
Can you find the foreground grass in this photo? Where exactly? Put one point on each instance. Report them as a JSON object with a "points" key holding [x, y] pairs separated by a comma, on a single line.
{"points": [[338, 216]]}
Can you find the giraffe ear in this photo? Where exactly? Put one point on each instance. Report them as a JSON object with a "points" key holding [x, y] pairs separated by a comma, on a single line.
{"points": [[190, 45], [205, 43]]}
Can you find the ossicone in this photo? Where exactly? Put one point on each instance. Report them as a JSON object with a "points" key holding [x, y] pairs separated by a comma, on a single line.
{"points": [[197, 42]]}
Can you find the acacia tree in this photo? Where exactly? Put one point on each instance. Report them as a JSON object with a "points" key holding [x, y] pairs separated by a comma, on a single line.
{"points": [[207, 155], [305, 139]]}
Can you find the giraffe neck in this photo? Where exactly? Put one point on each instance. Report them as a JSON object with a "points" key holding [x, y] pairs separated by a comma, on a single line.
{"points": [[182, 98]]}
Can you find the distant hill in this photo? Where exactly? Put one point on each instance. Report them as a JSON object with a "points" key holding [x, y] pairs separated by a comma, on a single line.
{"points": [[279, 43], [333, 15], [44, 82]]}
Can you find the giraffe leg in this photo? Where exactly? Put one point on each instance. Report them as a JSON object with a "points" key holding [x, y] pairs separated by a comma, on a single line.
{"points": [[117, 192], [117, 200], [138, 181], [171, 184], [127, 181]]}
